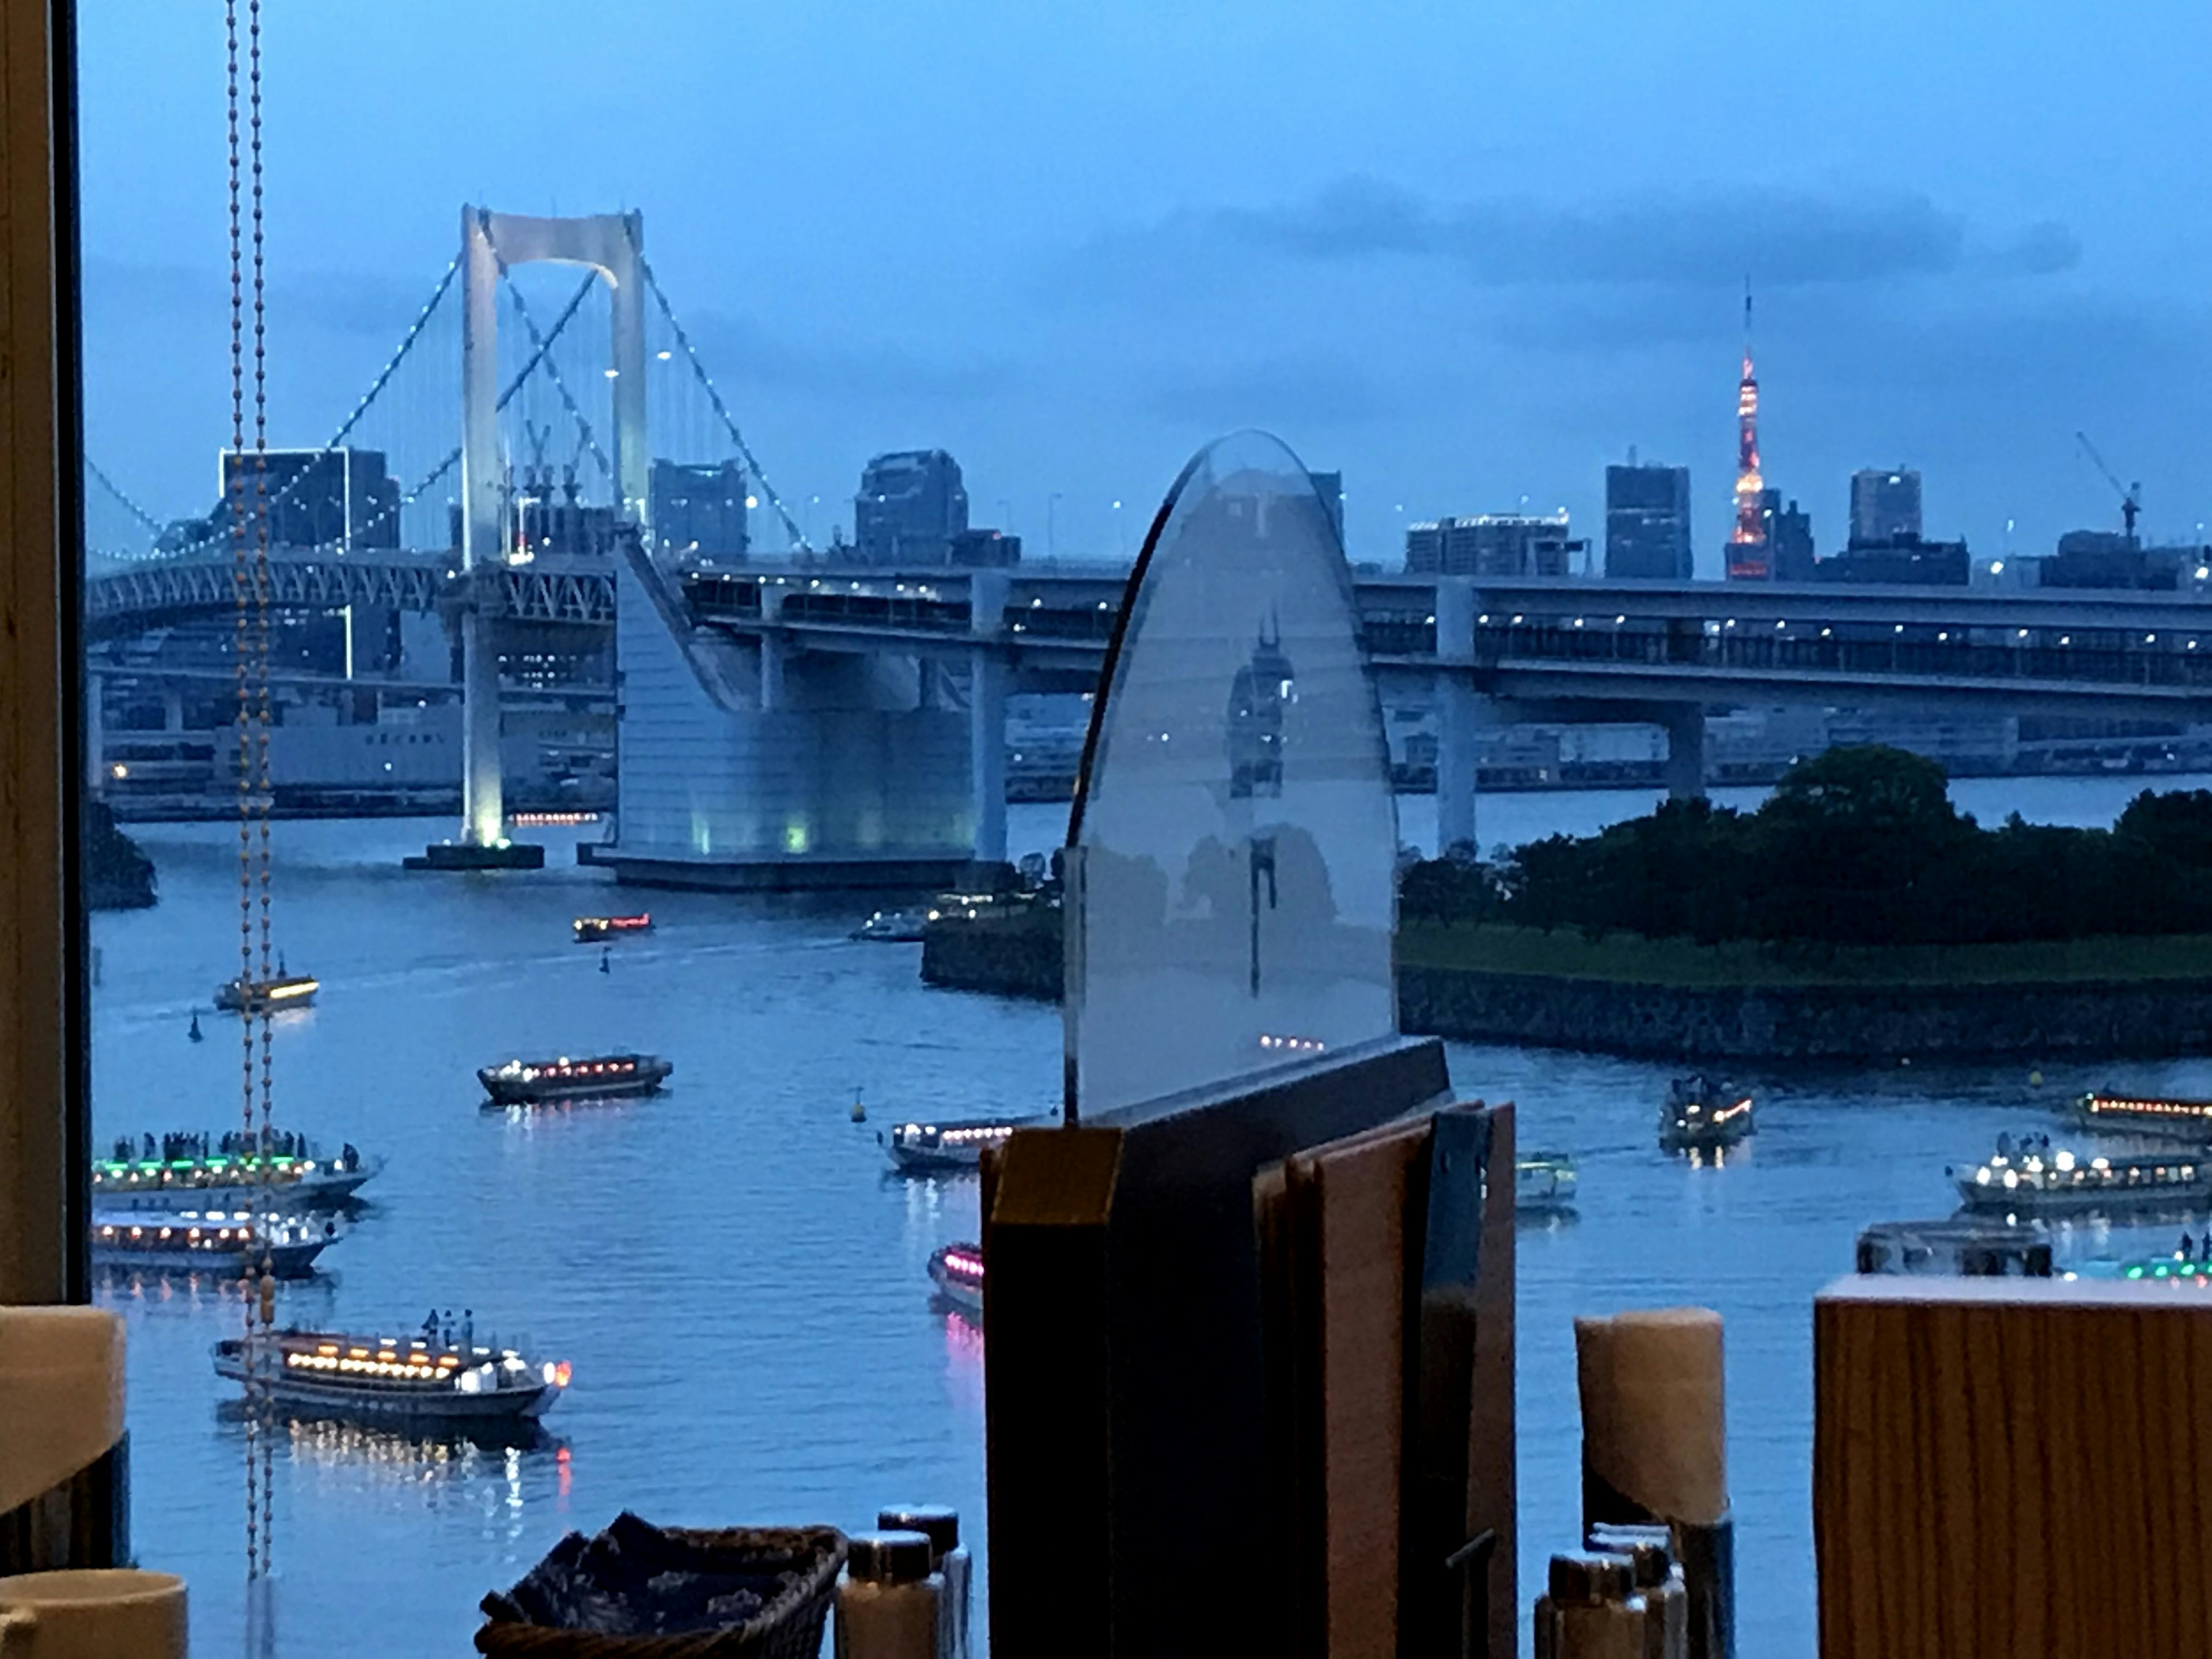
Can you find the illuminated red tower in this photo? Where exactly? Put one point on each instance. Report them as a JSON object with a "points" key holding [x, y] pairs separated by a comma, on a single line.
{"points": [[1748, 555]]}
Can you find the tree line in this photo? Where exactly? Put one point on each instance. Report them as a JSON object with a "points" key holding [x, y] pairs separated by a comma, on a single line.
{"points": [[1857, 846]]}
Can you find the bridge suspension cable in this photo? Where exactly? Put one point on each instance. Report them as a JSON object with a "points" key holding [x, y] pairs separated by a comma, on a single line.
{"points": [[115, 489], [298, 480], [722, 410], [538, 356], [414, 334]]}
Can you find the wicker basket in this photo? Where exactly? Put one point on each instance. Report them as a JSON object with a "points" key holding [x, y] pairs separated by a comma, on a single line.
{"points": [[789, 1626]]}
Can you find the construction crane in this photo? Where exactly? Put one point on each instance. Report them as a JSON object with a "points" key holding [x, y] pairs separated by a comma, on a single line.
{"points": [[2130, 494]]}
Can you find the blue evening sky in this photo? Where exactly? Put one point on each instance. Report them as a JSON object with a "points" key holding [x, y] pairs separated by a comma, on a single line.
{"points": [[1466, 254]]}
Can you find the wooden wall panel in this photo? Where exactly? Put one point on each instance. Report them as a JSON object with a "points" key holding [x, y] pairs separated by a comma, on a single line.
{"points": [[2013, 1470], [41, 1060]]}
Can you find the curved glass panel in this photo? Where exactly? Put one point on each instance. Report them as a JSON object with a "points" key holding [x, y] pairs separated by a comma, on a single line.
{"points": [[1230, 888]]}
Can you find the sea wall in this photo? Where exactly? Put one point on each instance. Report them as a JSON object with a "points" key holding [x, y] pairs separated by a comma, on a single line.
{"points": [[2086, 1019], [1012, 955], [1020, 957]]}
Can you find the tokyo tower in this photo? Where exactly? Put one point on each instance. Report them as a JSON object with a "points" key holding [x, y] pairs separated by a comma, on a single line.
{"points": [[1748, 555]]}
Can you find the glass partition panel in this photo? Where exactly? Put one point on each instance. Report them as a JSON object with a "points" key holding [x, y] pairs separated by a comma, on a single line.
{"points": [[1233, 833]]}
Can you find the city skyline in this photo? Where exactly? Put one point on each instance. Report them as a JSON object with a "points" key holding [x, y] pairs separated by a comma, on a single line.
{"points": [[1094, 271]]}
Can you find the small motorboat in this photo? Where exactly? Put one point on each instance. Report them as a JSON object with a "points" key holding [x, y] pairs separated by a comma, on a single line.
{"points": [[591, 930], [228, 1172], [1544, 1184], [951, 1148], [1701, 1115], [957, 1270], [892, 927], [210, 1241], [267, 996], [599, 1077], [2034, 1178], [429, 1380]]}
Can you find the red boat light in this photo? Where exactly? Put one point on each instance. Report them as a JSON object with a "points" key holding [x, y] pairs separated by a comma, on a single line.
{"points": [[561, 1373]]}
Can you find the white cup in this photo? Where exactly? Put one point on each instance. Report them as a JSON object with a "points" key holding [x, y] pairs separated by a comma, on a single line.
{"points": [[114, 1612]]}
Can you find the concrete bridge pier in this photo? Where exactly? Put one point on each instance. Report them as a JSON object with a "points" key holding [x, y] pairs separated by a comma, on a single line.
{"points": [[1458, 714], [95, 734], [988, 676], [483, 802], [772, 648], [1685, 725]]}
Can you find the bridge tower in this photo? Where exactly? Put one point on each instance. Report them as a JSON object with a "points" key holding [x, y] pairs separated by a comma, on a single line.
{"points": [[612, 245]]}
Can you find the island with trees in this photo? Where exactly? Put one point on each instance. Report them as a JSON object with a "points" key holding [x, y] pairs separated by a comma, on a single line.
{"points": [[1854, 914]]}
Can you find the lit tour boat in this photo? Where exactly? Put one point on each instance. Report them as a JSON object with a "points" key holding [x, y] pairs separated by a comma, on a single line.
{"points": [[1543, 1184], [600, 1077], [590, 930], [892, 927], [2037, 1180], [2190, 1120], [210, 1241], [1703, 1116], [919, 1148], [424, 1380], [212, 1172], [2172, 1270], [265, 996], [957, 1270]]}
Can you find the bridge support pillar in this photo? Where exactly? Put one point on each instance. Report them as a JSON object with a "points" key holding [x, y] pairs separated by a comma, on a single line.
{"points": [[95, 734], [483, 805], [1457, 714], [772, 650], [1685, 725], [988, 674]]}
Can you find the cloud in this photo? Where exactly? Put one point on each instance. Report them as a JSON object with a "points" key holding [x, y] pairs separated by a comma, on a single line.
{"points": [[738, 350], [1296, 387], [341, 301], [1665, 238]]}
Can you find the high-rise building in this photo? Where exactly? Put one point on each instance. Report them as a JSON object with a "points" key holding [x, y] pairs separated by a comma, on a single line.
{"points": [[1884, 505], [1493, 545], [1749, 558], [1789, 539], [912, 503], [336, 498], [700, 509], [1647, 521]]}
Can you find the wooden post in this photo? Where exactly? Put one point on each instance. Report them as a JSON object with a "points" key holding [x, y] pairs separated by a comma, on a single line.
{"points": [[44, 1192]]}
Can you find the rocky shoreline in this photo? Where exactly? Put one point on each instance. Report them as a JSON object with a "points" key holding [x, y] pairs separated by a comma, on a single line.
{"points": [[2086, 1019]]}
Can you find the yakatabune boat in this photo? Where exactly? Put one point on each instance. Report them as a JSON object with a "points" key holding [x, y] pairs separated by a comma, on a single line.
{"points": [[957, 1270], [531, 1082], [590, 930], [422, 1380], [210, 1241], [224, 1172], [1701, 1115], [263, 996], [923, 1148], [2158, 1114]]}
